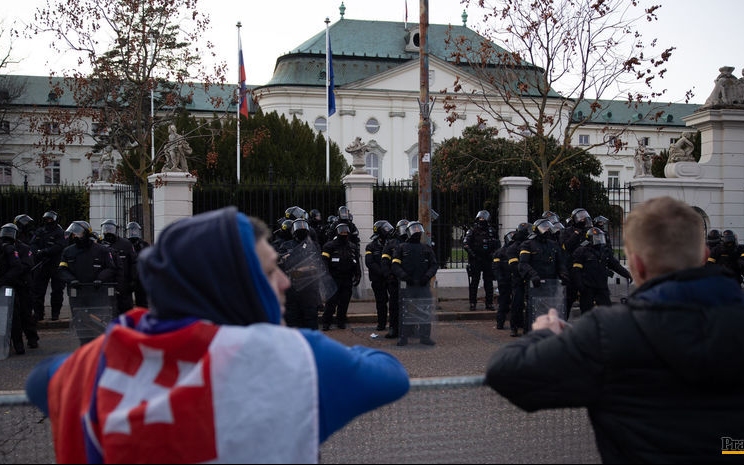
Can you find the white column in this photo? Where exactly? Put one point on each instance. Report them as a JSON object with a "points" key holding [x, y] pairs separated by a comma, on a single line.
{"points": [[513, 202], [102, 204], [359, 190], [172, 198]]}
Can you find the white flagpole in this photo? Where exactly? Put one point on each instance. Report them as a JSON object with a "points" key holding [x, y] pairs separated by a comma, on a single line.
{"points": [[237, 110], [328, 117]]}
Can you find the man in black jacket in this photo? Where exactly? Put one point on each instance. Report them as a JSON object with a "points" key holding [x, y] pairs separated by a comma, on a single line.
{"points": [[663, 377], [125, 259]]}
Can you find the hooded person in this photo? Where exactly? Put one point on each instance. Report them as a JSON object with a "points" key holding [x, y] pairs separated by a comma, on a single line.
{"points": [[207, 373]]}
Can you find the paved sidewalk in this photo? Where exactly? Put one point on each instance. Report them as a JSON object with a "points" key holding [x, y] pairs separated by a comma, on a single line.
{"points": [[452, 305]]}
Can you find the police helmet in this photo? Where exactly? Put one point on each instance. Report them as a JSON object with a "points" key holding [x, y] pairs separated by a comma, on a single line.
{"points": [[414, 230], [294, 213], [382, 229], [400, 227], [108, 227], [134, 230], [509, 238], [483, 215], [581, 218], [315, 215], [601, 222], [713, 238], [522, 231], [79, 229], [344, 214], [552, 216], [729, 239], [50, 216], [342, 229], [9, 231], [332, 219], [300, 229], [287, 225], [596, 236], [541, 228], [24, 222]]}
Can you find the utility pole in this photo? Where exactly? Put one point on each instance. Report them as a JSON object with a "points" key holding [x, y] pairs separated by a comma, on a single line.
{"points": [[424, 130]]}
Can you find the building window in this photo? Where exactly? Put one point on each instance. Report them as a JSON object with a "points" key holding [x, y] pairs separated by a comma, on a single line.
{"points": [[51, 173], [613, 179], [98, 129], [95, 168], [672, 140], [413, 165], [6, 173], [51, 128], [645, 141], [583, 139], [372, 125], [612, 140], [372, 163], [320, 124]]}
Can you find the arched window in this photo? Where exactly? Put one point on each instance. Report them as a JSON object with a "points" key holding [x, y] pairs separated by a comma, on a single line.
{"points": [[372, 164], [413, 164]]}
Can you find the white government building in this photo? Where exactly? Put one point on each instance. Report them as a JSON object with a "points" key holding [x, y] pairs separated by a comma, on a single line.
{"points": [[377, 86]]}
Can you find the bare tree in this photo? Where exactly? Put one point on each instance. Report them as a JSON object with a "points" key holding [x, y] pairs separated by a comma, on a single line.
{"points": [[131, 54], [552, 56]]}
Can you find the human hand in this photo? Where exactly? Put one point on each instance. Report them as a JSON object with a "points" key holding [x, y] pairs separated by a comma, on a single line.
{"points": [[550, 321]]}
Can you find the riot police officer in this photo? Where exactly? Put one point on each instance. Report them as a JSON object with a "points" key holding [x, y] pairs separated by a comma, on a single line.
{"points": [[395, 238], [134, 234], [592, 263], [16, 262], [730, 255], [300, 259], [570, 239], [47, 246], [381, 229], [519, 289], [415, 264], [480, 243], [502, 275], [541, 258], [341, 257], [125, 258]]}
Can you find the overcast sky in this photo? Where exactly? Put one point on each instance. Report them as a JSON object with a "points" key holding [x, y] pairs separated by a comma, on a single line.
{"points": [[707, 34]]}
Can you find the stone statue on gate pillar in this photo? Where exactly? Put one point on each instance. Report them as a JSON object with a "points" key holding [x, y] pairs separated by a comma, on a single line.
{"points": [[358, 151], [643, 160]]}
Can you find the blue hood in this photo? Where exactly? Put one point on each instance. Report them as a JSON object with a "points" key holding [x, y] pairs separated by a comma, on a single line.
{"points": [[206, 267]]}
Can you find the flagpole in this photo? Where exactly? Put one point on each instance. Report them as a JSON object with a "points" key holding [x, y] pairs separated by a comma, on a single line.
{"points": [[237, 110], [328, 117]]}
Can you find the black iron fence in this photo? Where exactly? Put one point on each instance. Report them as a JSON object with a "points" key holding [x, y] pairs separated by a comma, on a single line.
{"points": [[453, 212]]}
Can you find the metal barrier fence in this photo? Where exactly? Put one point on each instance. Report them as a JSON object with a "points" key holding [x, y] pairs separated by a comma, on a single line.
{"points": [[441, 420]]}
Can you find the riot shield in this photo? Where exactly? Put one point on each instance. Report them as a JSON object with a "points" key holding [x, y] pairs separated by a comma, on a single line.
{"points": [[6, 319], [417, 311], [91, 308], [550, 294], [309, 276]]}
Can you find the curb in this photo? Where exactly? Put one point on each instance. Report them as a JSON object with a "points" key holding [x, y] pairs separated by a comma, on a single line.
{"points": [[354, 317]]}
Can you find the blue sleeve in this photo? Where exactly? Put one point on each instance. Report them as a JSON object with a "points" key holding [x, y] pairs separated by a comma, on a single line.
{"points": [[352, 380], [38, 381]]}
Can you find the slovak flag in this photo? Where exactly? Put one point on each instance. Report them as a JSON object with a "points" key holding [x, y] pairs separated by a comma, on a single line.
{"points": [[243, 90], [204, 393]]}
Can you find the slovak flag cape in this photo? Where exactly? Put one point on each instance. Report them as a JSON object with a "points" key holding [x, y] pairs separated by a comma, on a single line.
{"points": [[188, 391]]}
